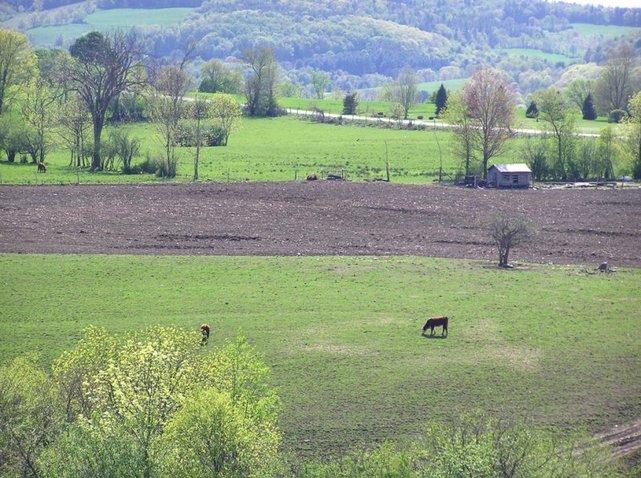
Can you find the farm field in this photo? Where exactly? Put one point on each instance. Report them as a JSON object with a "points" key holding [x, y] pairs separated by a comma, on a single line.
{"points": [[318, 218], [551, 58], [106, 20], [606, 31]]}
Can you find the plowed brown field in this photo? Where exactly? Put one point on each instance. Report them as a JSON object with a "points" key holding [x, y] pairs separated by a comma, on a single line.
{"points": [[318, 218]]}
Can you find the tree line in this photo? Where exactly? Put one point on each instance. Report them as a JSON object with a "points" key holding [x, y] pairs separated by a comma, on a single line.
{"points": [[107, 77], [156, 403]]}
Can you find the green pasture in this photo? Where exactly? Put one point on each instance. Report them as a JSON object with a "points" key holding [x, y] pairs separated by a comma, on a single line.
{"points": [[106, 20], [284, 148], [581, 125], [605, 31], [290, 148], [551, 58], [365, 108], [342, 334]]}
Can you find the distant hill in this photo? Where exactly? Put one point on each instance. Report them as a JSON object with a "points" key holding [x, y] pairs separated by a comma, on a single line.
{"points": [[361, 43]]}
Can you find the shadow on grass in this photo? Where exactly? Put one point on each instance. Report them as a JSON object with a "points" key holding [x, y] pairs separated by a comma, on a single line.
{"points": [[433, 336]]}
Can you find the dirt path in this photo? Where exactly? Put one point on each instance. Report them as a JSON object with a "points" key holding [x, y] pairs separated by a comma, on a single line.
{"points": [[623, 440], [318, 218]]}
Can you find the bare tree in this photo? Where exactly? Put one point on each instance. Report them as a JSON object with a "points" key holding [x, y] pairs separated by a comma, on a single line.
{"points": [[614, 86], [104, 67], [403, 91], [490, 102], [507, 233], [168, 107], [73, 120], [200, 110], [464, 129]]}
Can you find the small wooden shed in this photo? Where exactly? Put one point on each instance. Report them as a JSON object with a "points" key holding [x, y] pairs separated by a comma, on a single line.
{"points": [[509, 176]]}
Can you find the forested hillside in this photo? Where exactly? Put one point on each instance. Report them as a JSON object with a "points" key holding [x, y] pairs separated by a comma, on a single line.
{"points": [[360, 43]]}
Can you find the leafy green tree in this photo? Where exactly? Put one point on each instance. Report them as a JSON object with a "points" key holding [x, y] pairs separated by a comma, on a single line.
{"points": [[559, 116], [88, 450], [633, 134], [607, 152], [440, 100], [30, 417], [588, 109], [226, 111], [480, 446], [104, 66], [219, 78], [212, 436], [319, 81], [13, 135], [535, 152], [38, 109], [532, 111], [17, 62], [350, 103], [261, 85]]}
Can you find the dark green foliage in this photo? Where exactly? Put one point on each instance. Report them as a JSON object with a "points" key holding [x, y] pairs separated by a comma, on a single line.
{"points": [[213, 135], [440, 100], [532, 110], [616, 116], [350, 103], [588, 109]]}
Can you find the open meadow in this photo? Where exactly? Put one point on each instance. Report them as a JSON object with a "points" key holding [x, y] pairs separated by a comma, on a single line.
{"points": [[291, 147], [342, 334]]}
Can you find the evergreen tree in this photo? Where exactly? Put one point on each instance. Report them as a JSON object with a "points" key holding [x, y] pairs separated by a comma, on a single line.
{"points": [[350, 103], [441, 99], [532, 110], [588, 109]]}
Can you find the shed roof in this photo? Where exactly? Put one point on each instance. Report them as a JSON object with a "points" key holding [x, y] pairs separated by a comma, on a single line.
{"points": [[512, 168]]}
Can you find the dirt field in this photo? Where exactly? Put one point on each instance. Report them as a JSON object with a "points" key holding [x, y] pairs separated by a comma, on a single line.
{"points": [[318, 218]]}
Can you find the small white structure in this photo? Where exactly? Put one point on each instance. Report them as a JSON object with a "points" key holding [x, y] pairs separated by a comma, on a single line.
{"points": [[509, 176]]}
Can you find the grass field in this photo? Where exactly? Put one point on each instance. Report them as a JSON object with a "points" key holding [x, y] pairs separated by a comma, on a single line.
{"points": [[277, 149], [606, 31], [291, 147], [106, 20], [551, 58], [342, 334]]}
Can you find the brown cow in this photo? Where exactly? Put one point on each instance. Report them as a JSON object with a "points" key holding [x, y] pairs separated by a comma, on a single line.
{"points": [[436, 322], [41, 167], [204, 329]]}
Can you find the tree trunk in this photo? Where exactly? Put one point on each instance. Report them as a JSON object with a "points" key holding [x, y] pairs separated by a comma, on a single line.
{"points": [[97, 132]]}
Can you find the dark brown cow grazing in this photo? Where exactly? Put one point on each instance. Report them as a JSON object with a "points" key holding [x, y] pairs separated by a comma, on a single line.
{"points": [[436, 322], [41, 167], [204, 329]]}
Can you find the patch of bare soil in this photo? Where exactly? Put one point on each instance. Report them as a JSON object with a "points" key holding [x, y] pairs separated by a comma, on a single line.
{"points": [[622, 440], [318, 218]]}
